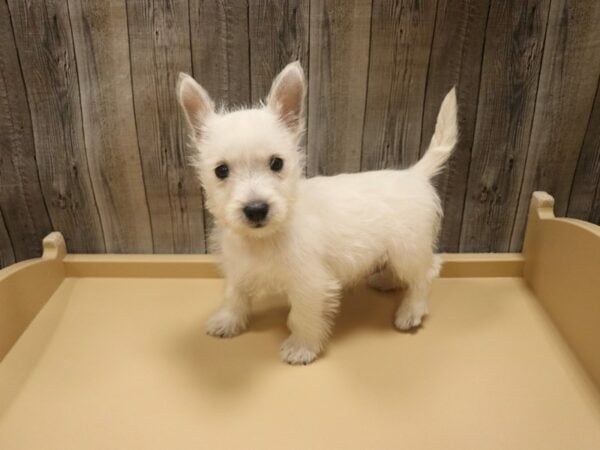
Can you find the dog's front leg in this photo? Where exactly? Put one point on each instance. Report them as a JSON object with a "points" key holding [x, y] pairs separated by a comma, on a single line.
{"points": [[232, 317], [310, 321]]}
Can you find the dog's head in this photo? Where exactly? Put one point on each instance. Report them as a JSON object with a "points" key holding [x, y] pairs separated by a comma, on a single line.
{"points": [[248, 160]]}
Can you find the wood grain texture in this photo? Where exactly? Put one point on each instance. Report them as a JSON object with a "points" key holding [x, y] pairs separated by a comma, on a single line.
{"points": [[160, 48], [401, 39], [584, 200], [455, 60], [102, 51], [43, 35], [93, 144], [509, 80], [568, 82], [339, 61], [221, 56], [595, 209], [7, 255], [25, 216], [220, 49], [278, 33]]}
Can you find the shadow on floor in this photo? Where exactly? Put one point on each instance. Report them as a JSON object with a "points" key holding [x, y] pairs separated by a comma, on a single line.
{"points": [[231, 365]]}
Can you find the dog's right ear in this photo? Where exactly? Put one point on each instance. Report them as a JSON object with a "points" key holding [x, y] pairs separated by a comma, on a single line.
{"points": [[195, 102]]}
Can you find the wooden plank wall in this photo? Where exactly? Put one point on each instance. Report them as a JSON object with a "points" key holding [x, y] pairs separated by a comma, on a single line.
{"points": [[92, 142]]}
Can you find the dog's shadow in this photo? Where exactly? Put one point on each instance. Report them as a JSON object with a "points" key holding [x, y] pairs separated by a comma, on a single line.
{"points": [[362, 308], [230, 365]]}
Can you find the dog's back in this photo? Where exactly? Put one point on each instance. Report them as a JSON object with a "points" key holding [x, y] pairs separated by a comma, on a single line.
{"points": [[359, 218]]}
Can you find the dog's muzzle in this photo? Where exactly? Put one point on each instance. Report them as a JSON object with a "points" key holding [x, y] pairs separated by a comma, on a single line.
{"points": [[256, 212]]}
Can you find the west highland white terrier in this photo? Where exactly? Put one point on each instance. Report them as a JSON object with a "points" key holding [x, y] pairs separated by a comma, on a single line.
{"points": [[280, 233]]}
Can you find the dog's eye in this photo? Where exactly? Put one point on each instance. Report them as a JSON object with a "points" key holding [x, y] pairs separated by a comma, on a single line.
{"points": [[276, 164], [222, 171]]}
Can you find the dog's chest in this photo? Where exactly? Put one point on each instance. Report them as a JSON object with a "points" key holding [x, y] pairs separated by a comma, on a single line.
{"points": [[268, 276], [263, 269]]}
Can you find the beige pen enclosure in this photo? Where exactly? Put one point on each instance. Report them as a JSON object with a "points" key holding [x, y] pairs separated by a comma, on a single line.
{"points": [[108, 351]]}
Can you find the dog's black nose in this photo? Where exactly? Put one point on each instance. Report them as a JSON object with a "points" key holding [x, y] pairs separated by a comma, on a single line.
{"points": [[256, 211]]}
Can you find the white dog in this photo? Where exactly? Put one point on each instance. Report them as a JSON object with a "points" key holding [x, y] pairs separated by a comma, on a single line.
{"points": [[279, 233]]}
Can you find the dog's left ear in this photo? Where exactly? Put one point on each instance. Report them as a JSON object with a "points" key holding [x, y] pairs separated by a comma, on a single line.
{"points": [[286, 97]]}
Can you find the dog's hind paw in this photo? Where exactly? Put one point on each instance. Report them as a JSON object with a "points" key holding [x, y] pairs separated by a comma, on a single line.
{"points": [[408, 318], [292, 352], [225, 323]]}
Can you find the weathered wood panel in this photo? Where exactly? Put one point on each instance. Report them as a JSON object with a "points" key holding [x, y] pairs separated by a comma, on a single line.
{"points": [[509, 79], [43, 35], [401, 38], [278, 33], [455, 60], [595, 209], [568, 82], [21, 201], [92, 141], [7, 255], [339, 61], [221, 55], [584, 202], [102, 51], [220, 49], [159, 39]]}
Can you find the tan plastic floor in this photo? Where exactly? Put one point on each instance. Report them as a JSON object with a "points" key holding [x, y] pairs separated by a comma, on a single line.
{"points": [[113, 363]]}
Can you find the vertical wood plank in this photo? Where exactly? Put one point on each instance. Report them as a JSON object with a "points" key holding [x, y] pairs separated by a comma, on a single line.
{"points": [[455, 60], [43, 36], [7, 255], [401, 39], [278, 33], [509, 79], [102, 51], [568, 81], [160, 49], [595, 208], [220, 49], [339, 61], [221, 56], [584, 200], [25, 216]]}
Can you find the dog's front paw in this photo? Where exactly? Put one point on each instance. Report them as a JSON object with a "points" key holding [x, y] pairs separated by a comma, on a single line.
{"points": [[225, 323], [408, 317], [293, 352]]}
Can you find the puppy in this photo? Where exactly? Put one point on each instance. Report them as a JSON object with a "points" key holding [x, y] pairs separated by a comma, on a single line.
{"points": [[280, 233]]}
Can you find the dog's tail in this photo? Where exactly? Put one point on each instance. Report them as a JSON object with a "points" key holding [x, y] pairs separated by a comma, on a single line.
{"points": [[443, 140]]}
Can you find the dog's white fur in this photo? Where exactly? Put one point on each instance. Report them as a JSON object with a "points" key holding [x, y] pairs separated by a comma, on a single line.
{"points": [[321, 233]]}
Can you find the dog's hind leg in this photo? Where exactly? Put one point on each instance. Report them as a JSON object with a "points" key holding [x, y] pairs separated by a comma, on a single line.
{"points": [[314, 303], [418, 281]]}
